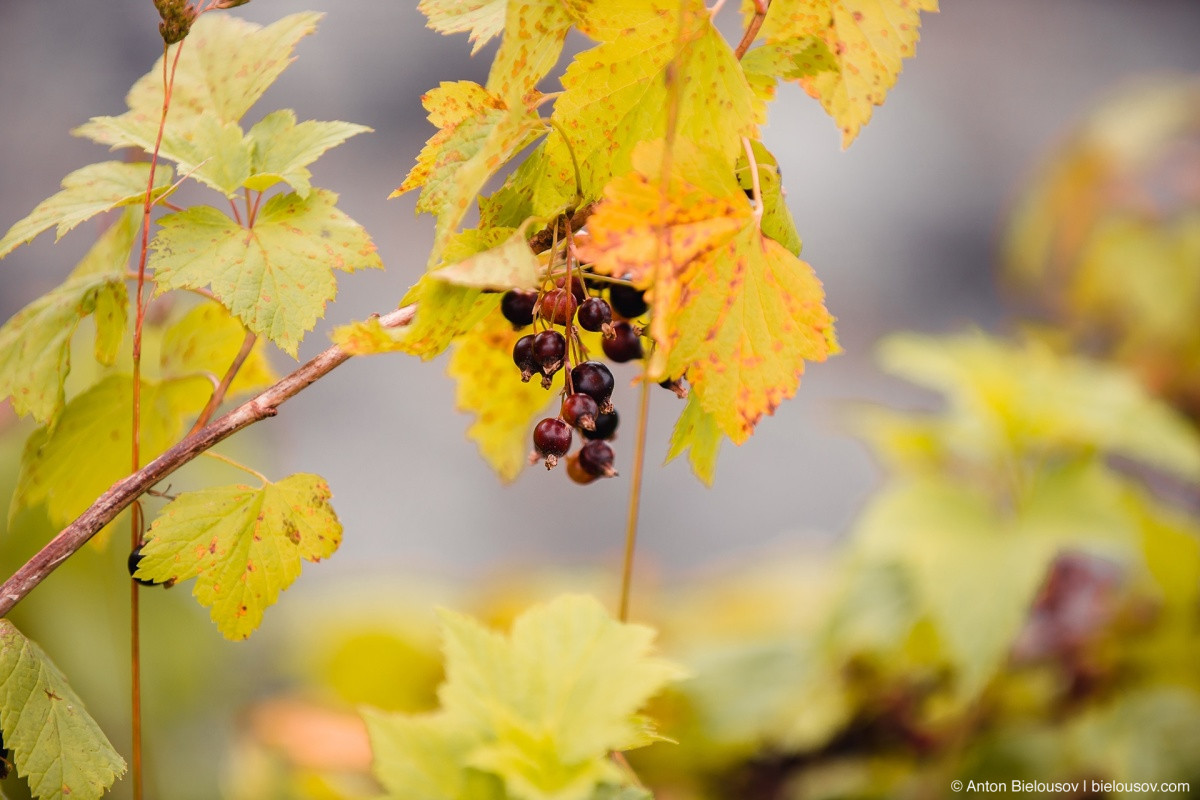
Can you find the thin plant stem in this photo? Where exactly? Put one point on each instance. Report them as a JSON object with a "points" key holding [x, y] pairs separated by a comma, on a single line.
{"points": [[574, 163], [752, 29], [635, 501], [237, 465], [222, 387]]}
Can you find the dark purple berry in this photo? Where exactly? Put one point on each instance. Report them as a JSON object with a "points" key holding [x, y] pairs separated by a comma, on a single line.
{"points": [[558, 306], [577, 290], [595, 379], [594, 314], [552, 439], [580, 410], [627, 301], [524, 358], [576, 472], [596, 458], [606, 427], [549, 350], [517, 307], [135, 559], [625, 344]]}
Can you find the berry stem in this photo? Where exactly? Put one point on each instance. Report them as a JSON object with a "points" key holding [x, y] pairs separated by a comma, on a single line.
{"points": [[635, 499]]}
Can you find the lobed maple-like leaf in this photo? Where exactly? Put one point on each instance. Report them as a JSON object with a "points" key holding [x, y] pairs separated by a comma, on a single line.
{"points": [[277, 276], [35, 344], [531, 715], [509, 265], [282, 149], [868, 39], [55, 744], [534, 32], [697, 433], [616, 94], [733, 309], [244, 545], [86, 192], [489, 387], [479, 133]]}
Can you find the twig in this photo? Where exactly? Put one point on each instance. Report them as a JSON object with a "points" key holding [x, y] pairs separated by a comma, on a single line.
{"points": [[122, 493], [223, 386]]}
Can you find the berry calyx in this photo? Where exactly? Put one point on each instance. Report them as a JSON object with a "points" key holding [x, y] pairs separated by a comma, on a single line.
{"points": [[627, 301], [551, 439], [596, 458], [595, 379], [558, 306], [549, 349], [606, 427], [625, 344], [576, 472], [580, 410], [675, 385], [524, 358], [594, 314], [517, 307]]}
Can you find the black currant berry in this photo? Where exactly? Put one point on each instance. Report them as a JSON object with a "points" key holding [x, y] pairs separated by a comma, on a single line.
{"points": [[517, 307], [594, 314], [551, 439], [558, 306], [595, 379], [576, 472], [524, 358], [580, 410], [627, 301], [596, 458], [606, 427], [549, 350], [625, 344], [577, 289], [135, 558]]}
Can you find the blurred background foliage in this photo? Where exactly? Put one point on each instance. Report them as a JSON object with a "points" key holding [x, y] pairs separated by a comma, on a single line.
{"points": [[1019, 598]]}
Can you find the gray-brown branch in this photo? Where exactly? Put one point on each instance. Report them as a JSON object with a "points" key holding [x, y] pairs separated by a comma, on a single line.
{"points": [[122, 493]]}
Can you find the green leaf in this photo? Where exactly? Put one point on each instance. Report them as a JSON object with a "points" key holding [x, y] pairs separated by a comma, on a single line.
{"points": [[35, 344], [697, 432], [282, 149], [57, 747], [86, 192], [488, 386], [616, 93], [791, 59], [424, 758], [534, 32], [1026, 398], [479, 133], [777, 220], [511, 265], [275, 277], [483, 18], [206, 340], [87, 451], [243, 545], [540, 709]]}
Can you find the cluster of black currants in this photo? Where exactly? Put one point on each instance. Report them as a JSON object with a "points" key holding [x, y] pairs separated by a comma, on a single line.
{"points": [[587, 399]]}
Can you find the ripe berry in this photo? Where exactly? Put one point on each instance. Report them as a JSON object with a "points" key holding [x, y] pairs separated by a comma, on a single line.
{"points": [[627, 301], [625, 344], [576, 472], [551, 439], [594, 314], [595, 379], [596, 458], [606, 427], [524, 358], [549, 350], [135, 558], [517, 307], [558, 306], [577, 289], [580, 410]]}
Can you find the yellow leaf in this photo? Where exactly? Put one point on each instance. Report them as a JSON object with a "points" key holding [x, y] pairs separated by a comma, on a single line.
{"points": [[731, 308], [869, 40]]}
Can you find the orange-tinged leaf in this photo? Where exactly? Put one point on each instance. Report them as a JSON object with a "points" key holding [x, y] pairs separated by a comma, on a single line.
{"points": [[483, 18], [869, 40], [735, 310], [534, 32], [490, 388]]}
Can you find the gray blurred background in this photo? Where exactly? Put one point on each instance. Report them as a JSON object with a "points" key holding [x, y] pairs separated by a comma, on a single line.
{"points": [[901, 228]]}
